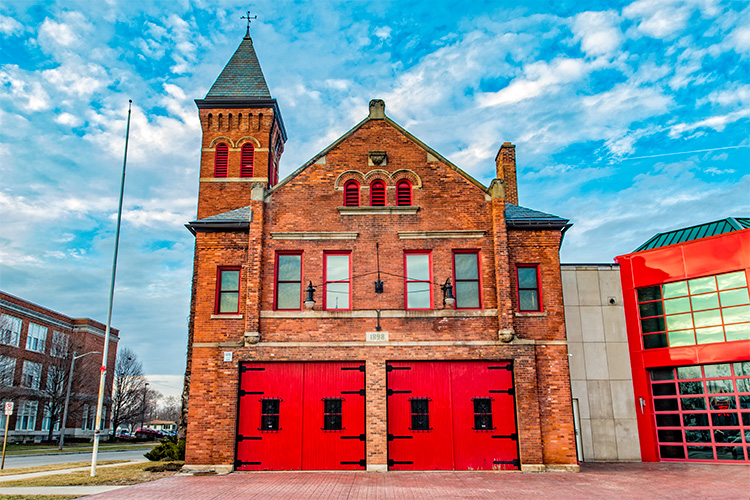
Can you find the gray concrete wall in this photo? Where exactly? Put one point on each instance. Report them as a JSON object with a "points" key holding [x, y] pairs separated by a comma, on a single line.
{"points": [[600, 373]]}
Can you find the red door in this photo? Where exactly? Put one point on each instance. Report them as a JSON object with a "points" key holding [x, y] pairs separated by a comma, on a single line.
{"points": [[301, 416], [451, 415]]}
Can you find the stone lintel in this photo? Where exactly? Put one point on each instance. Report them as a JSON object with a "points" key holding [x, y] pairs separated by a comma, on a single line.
{"points": [[418, 235]]}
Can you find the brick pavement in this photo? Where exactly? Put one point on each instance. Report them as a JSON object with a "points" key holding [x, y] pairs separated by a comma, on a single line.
{"points": [[622, 481]]}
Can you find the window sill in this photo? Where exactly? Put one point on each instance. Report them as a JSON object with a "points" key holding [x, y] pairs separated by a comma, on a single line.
{"points": [[392, 210], [226, 316], [531, 314]]}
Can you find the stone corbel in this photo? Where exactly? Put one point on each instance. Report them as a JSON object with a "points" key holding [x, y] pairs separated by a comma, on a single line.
{"points": [[506, 335], [257, 191], [497, 189], [251, 338]]}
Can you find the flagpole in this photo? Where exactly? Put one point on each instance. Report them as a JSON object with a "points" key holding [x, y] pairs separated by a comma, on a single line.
{"points": [[105, 351]]}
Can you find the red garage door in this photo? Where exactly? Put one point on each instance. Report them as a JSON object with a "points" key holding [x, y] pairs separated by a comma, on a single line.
{"points": [[451, 415], [301, 416]]}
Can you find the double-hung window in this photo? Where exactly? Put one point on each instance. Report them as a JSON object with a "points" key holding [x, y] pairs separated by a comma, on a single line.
{"points": [[228, 290], [60, 344], [7, 371], [417, 280], [529, 292], [466, 279], [289, 280], [32, 375], [10, 330], [36, 337], [338, 280], [26, 419]]}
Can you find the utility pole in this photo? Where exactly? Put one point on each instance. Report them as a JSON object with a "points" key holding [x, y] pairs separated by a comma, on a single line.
{"points": [[67, 395], [143, 407]]}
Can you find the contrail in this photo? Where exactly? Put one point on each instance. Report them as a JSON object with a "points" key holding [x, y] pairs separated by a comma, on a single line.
{"points": [[685, 152]]}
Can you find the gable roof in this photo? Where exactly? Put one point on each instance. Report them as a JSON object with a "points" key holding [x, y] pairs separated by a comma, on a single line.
{"points": [[393, 124], [517, 217], [242, 76], [721, 226]]}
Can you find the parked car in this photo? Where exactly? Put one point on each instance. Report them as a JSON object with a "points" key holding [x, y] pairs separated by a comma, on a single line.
{"points": [[145, 433], [122, 433]]}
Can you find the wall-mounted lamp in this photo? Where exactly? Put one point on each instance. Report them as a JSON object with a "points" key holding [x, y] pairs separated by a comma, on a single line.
{"points": [[309, 300], [448, 298]]}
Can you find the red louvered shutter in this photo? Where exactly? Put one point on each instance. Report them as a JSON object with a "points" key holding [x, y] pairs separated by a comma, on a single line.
{"points": [[351, 194], [248, 160], [403, 193], [221, 160], [377, 194]]}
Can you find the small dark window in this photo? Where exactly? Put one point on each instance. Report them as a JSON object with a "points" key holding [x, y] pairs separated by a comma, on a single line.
{"points": [[228, 290], [248, 160], [529, 296], [420, 414], [403, 193], [483, 414], [269, 414], [351, 194], [332, 414], [377, 194], [221, 159]]}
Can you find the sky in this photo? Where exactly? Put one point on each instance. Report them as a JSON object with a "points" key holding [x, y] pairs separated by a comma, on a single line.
{"points": [[629, 118]]}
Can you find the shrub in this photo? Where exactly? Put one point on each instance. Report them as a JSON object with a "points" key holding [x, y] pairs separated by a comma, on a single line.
{"points": [[170, 448]]}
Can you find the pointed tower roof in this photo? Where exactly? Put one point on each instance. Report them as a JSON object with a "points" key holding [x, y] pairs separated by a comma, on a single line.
{"points": [[242, 77]]}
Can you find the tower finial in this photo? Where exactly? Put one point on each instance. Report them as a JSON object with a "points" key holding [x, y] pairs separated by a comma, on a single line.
{"points": [[249, 19]]}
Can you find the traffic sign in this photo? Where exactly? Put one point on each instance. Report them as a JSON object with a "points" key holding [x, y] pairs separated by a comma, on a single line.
{"points": [[9, 407]]}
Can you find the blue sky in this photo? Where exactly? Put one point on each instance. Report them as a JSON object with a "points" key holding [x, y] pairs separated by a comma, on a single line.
{"points": [[629, 118]]}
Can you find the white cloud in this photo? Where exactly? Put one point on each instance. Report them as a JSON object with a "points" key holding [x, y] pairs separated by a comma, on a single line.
{"points": [[665, 18], [383, 32], [598, 32], [68, 119], [31, 93], [9, 26], [80, 80], [57, 37], [717, 122]]}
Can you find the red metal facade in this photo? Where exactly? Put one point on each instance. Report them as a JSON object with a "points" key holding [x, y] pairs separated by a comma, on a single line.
{"points": [[299, 439], [471, 422], [693, 259]]}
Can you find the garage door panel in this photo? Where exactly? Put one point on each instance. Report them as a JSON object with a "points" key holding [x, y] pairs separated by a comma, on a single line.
{"points": [[269, 416]]}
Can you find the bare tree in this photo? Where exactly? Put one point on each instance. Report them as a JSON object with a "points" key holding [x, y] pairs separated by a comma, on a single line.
{"points": [[169, 409], [127, 390]]}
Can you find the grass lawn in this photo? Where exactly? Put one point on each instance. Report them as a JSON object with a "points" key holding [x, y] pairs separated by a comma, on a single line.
{"points": [[33, 449], [43, 468], [111, 476]]}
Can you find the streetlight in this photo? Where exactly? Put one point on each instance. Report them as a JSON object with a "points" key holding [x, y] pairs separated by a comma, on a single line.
{"points": [[143, 408], [67, 395]]}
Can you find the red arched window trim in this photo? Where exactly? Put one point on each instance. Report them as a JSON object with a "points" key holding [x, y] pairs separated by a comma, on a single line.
{"points": [[377, 194], [248, 160], [403, 193], [351, 194], [221, 160]]}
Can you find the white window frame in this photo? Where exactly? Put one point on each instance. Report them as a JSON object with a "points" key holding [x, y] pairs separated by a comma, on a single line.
{"points": [[32, 375], [10, 330], [36, 338], [7, 371], [26, 418]]}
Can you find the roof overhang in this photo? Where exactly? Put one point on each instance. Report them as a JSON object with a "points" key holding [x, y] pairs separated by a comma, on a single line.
{"points": [[216, 226]]}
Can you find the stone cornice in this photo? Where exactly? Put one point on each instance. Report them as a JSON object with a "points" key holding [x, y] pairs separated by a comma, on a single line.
{"points": [[419, 235], [315, 235], [397, 210]]}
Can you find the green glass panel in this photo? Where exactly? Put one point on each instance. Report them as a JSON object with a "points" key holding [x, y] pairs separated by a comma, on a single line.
{"points": [[742, 369], [698, 436], [731, 280], [649, 293], [679, 321], [737, 332], [466, 266], [655, 341], [700, 285], [528, 300], [288, 296], [337, 267], [651, 309], [418, 267], [710, 335], [695, 387], [724, 419], [290, 267], [662, 374], [700, 453], [667, 389], [727, 436], [745, 404], [737, 314], [527, 277], [337, 296], [743, 384], [705, 301], [676, 306], [677, 289], [707, 318], [229, 302], [230, 280], [681, 338], [418, 295], [467, 294], [734, 297], [651, 325], [721, 386], [688, 372], [714, 371], [695, 420], [693, 404]]}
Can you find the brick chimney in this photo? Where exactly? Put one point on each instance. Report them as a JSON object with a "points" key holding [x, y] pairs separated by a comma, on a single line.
{"points": [[506, 171]]}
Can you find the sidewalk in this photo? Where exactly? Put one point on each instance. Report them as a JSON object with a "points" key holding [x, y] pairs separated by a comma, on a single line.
{"points": [[596, 481], [31, 475]]}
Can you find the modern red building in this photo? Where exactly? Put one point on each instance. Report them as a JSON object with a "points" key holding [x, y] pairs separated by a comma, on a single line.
{"points": [[687, 310], [378, 309]]}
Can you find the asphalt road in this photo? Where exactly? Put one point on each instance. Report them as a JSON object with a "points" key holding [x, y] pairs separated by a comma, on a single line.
{"points": [[61, 458]]}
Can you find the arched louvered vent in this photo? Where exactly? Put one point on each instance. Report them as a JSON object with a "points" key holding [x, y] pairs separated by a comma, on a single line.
{"points": [[221, 160], [377, 194], [248, 160], [351, 194], [403, 192]]}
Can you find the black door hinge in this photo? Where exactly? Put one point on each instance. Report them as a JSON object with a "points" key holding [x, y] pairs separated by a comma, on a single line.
{"points": [[513, 436], [361, 463], [241, 438], [390, 368], [360, 368], [508, 367], [515, 462], [361, 392], [240, 463], [510, 391], [243, 392], [244, 369], [391, 437], [391, 392], [391, 463], [361, 437]]}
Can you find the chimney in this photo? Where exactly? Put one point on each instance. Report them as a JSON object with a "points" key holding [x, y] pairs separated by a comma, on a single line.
{"points": [[506, 171]]}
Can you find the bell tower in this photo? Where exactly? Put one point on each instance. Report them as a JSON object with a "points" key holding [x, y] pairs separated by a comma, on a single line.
{"points": [[243, 135]]}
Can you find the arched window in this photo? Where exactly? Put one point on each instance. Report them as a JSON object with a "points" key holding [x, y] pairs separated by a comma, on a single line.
{"points": [[377, 194], [351, 194], [220, 160], [248, 160], [403, 192]]}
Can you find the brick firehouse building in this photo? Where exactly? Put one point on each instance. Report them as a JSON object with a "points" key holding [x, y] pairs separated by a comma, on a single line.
{"points": [[378, 309]]}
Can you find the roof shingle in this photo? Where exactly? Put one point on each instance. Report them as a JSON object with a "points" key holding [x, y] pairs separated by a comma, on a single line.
{"points": [[242, 76]]}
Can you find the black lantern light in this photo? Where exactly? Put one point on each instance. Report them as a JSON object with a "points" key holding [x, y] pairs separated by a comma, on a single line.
{"points": [[309, 300], [448, 298]]}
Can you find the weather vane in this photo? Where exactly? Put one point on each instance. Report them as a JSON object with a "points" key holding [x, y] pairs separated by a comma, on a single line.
{"points": [[249, 19]]}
